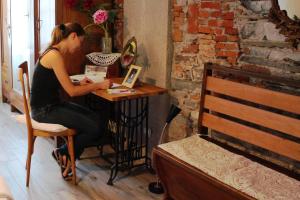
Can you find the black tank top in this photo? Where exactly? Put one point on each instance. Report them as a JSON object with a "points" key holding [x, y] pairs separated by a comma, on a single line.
{"points": [[45, 85]]}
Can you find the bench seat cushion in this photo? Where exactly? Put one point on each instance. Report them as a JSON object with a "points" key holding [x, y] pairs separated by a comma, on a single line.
{"points": [[234, 170]]}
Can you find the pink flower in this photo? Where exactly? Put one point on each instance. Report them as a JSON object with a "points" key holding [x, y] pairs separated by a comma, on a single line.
{"points": [[100, 16]]}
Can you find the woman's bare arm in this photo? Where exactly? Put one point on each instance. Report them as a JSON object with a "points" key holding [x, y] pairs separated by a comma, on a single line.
{"points": [[56, 62]]}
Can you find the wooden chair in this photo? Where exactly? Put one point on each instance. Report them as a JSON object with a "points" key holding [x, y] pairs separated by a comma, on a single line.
{"points": [[33, 133]]}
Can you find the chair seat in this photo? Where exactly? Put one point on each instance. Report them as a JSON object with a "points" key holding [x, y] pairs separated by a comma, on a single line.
{"points": [[68, 132], [42, 126]]}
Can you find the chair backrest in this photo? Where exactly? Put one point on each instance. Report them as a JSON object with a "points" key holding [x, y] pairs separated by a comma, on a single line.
{"points": [[23, 70]]}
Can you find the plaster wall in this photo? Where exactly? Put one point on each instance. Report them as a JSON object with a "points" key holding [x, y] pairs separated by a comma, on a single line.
{"points": [[148, 21], [291, 6]]}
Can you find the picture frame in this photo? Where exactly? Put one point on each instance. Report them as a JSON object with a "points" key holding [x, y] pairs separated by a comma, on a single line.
{"points": [[131, 76], [129, 53]]}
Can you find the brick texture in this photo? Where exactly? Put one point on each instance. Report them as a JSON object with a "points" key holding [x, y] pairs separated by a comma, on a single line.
{"points": [[230, 33], [214, 31], [202, 31]]}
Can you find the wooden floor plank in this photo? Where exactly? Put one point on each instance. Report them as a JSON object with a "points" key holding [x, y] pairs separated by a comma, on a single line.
{"points": [[46, 182]]}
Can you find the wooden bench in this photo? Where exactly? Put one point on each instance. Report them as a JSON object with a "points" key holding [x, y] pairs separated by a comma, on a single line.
{"points": [[205, 168]]}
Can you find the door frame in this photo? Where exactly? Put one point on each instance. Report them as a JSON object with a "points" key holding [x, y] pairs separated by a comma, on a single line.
{"points": [[37, 26], [6, 73], [1, 56], [14, 97]]}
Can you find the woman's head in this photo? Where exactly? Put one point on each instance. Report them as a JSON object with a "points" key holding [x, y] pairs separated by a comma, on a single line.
{"points": [[72, 33]]}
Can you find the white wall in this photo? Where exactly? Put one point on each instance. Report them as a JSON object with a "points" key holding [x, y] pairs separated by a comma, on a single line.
{"points": [[47, 15], [291, 6], [148, 21]]}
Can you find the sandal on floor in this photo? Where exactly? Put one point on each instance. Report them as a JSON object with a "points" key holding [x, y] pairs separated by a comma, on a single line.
{"points": [[62, 169], [68, 177], [56, 156]]}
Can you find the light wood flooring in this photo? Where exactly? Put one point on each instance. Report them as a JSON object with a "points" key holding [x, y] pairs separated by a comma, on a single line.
{"points": [[46, 181]]}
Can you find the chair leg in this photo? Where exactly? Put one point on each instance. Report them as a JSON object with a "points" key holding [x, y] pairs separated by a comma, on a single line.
{"points": [[28, 165], [32, 149], [33, 140], [72, 156], [26, 162]]}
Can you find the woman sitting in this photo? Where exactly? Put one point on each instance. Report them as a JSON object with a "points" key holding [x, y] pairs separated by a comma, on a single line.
{"points": [[49, 77]]}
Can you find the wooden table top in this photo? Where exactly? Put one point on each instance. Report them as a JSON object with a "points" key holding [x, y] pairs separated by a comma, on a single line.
{"points": [[143, 90]]}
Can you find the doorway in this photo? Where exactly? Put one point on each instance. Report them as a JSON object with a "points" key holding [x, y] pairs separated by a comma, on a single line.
{"points": [[26, 30], [20, 34]]}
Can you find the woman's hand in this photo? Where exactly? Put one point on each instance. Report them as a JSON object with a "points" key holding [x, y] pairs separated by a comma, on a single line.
{"points": [[85, 81], [105, 84]]}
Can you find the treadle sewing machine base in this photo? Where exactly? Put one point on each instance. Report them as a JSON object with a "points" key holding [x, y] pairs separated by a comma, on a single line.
{"points": [[128, 129]]}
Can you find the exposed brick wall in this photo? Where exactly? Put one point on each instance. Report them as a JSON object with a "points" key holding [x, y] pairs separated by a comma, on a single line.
{"points": [[214, 18], [234, 33], [202, 31]]}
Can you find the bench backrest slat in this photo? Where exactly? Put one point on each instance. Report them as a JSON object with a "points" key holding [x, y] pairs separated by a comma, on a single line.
{"points": [[262, 117], [261, 96], [253, 136], [254, 115]]}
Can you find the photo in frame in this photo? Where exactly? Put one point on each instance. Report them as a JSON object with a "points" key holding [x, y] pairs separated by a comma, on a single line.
{"points": [[131, 76]]}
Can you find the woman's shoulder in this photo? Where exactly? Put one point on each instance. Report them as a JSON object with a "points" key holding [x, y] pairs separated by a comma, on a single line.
{"points": [[50, 58], [52, 51], [49, 52]]}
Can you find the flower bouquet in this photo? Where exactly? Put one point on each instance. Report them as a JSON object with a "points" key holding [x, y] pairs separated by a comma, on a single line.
{"points": [[102, 18]]}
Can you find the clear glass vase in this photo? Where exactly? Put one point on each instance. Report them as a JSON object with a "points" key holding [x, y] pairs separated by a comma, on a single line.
{"points": [[106, 45]]}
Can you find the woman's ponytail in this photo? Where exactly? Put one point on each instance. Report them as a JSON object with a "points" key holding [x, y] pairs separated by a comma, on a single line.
{"points": [[62, 31]]}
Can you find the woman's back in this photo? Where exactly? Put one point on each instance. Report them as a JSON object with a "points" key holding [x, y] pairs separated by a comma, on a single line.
{"points": [[45, 86]]}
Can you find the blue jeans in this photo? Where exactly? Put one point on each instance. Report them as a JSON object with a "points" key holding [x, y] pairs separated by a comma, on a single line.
{"points": [[88, 125]]}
